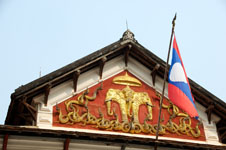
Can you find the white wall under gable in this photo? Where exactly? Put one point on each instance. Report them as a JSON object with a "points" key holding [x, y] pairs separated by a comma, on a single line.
{"points": [[88, 79], [91, 78], [113, 67], [144, 74], [140, 71]]}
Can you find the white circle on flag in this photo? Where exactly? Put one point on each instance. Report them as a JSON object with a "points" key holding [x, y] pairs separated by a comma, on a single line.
{"points": [[177, 73]]}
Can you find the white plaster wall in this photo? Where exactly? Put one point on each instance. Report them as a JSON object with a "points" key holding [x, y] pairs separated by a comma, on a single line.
{"points": [[91, 78], [144, 74], [113, 67]]}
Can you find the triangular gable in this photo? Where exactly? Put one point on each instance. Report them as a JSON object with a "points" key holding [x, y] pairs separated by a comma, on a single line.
{"points": [[121, 104]]}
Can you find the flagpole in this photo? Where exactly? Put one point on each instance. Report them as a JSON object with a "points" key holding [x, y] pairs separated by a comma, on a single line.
{"points": [[164, 82]]}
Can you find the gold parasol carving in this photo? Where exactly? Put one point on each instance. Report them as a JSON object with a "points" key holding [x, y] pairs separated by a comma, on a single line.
{"points": [[126, 80]]}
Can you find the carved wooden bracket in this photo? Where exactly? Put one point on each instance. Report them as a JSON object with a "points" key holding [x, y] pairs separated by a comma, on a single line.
{"points": [[28, 115], [126, 55], [19, 110], [154, 72], [75, 79], [66, 144], [102, 63], [221, 128], [223, 136], [47, 90], [209, 112], [31, 110]]}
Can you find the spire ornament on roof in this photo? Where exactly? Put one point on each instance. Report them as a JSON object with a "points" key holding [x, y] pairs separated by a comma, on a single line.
{"points": [[128, 35]]}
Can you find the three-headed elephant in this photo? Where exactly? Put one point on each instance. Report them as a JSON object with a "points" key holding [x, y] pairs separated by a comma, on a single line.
{"points": [[127, 100]]}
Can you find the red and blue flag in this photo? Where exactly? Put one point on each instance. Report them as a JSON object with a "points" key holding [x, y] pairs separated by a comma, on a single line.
{"points": [[179, 91]]}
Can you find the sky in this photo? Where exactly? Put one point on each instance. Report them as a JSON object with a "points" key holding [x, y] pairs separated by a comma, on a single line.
{"points": [[45, 35]]}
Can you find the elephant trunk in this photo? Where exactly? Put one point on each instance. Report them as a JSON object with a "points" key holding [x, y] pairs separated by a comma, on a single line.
{"points": [[129, 104], [108, 103], [149, 107]]}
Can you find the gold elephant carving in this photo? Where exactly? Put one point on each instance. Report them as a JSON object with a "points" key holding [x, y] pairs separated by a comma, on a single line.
{"points": [[129, 101]]}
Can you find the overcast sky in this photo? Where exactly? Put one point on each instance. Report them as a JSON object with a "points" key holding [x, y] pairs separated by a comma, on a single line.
{"points": [[49, 34]]}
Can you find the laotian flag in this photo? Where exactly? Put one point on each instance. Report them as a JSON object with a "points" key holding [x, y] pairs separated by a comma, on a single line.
{"points": [[179, 91]]}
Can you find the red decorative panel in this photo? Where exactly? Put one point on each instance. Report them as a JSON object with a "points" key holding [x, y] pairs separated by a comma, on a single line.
{"points": [[122, 103]]}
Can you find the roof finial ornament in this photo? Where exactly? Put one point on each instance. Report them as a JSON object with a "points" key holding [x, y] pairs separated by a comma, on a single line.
{"points": [[128, 35]]}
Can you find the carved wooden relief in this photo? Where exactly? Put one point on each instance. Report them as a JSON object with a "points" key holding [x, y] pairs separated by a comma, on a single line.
{"points": [[125, 104]]}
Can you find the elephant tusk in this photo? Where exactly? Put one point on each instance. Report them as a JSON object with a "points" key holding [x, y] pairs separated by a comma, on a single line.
{"points": [[150, 105], [108, 100]]}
